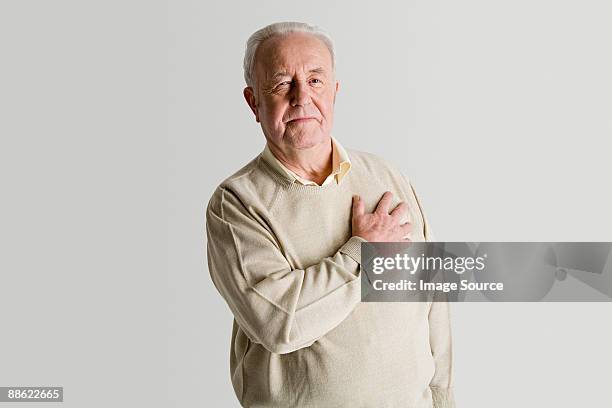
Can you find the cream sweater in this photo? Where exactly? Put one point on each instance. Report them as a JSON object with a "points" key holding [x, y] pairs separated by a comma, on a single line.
{"points": [[282, 256]]}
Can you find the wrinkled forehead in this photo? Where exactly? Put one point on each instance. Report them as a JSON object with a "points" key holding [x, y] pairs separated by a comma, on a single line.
{"points": [[290, 53]]}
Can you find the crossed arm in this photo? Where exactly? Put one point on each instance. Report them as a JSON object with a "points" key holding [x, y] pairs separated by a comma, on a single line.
{"points": [[286, 309]]}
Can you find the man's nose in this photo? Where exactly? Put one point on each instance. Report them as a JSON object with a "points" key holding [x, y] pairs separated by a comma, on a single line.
{"points": [[300, 94]]}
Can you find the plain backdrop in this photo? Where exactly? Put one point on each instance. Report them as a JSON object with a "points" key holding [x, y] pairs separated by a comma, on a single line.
{"points": [[119, 118]]}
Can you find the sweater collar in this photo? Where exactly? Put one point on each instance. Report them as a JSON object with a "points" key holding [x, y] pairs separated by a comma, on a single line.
{"points": [[341, 165]]}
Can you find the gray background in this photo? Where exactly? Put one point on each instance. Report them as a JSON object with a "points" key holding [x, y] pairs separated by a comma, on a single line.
{"points": [[120, 117]]}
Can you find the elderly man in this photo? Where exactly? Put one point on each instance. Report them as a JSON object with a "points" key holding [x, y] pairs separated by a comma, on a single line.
{"points": [[284, 240]]}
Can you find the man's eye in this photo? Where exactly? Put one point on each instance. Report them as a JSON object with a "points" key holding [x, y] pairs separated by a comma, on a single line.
{"points": [[285, 83], [316, 79]]}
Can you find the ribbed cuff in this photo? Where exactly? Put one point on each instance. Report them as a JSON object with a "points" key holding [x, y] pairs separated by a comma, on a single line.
{"points": [[352, 248], [443, 397]]}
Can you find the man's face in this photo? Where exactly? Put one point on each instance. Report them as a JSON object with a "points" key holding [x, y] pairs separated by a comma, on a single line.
{"points": [[295, 91]]}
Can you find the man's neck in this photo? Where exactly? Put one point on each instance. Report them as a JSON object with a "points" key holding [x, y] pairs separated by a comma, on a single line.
{"points": [[313, 164]]}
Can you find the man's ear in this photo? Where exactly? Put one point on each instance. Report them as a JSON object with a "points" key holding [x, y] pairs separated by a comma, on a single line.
{"points": [[336, 91], [249, 96]]}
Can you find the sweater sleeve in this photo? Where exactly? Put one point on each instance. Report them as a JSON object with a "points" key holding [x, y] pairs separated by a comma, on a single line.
{"points": [[281, 308], [427, 232], [440, 339]]}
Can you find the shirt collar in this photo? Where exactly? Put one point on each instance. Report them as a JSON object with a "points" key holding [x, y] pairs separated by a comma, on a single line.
{"points": [[341, 165]]}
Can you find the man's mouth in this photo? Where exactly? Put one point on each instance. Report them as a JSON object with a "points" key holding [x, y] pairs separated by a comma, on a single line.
{"points": [[297, 120]]}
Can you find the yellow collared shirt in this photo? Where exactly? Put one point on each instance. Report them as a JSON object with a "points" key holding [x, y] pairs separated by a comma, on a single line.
{"points": [[340, 165]]}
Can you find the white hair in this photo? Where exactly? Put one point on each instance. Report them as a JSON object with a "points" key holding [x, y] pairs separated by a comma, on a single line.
{"points": [[281, 28]]}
